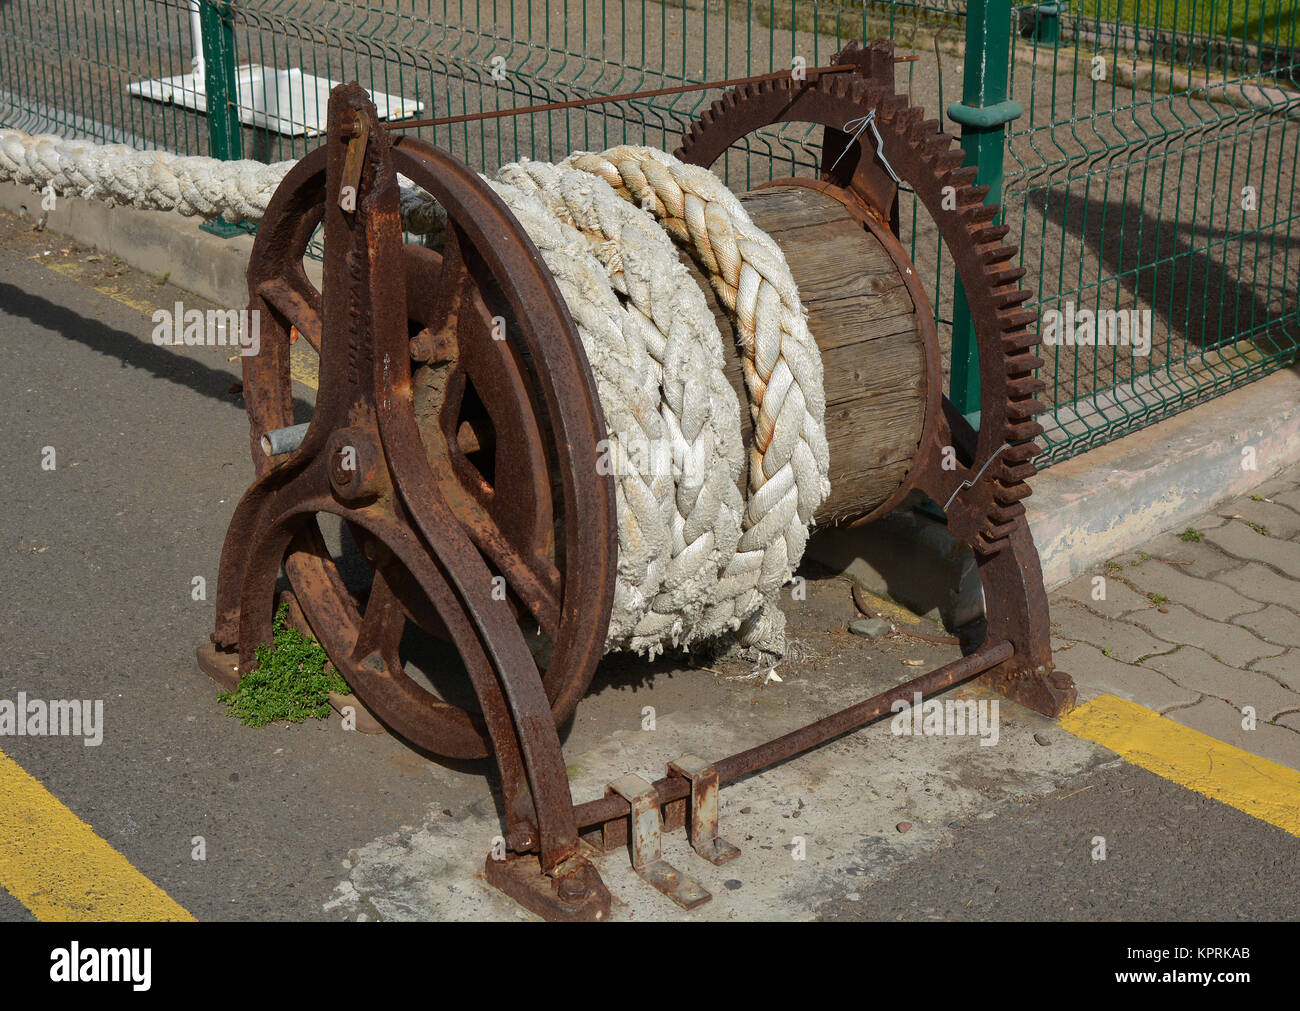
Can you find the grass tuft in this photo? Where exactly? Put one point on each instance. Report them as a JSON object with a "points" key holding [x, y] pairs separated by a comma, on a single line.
{"points": [[289, 681]]}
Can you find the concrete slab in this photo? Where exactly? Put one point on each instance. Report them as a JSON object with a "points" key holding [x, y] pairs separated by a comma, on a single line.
{"points": [[1242, 542], [1208, 598], [1259, 582], [1118, 599], [1195, 669], [1220, 720], [1275, 623], [1285, 667], [843, 818], [1115, 637], [1113, 498], [1230, 643], [1095, 673]]}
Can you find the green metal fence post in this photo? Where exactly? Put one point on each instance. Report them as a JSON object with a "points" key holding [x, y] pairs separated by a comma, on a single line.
{"points": [[983, 114], [225, 132]]}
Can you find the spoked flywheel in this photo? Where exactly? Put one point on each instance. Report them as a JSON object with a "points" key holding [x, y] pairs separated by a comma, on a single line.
{"points": [[483, 367]]}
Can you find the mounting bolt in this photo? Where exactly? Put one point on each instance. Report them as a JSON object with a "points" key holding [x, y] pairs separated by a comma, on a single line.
{"points": [[520, 840], [572, 887], [430, 348], [351, 127], [354, 464]]}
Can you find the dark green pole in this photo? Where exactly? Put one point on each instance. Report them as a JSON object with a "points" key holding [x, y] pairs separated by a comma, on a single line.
{"points": [[225, 132], [983, 114]]}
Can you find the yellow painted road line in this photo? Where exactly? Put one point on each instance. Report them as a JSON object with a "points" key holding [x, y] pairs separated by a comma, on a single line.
{"points": [[304, 366], [1262, 789], [54, 864], [78, 273]]}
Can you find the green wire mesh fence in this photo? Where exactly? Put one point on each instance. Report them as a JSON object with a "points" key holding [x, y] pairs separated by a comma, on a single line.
{"points": [[1152, 171]]}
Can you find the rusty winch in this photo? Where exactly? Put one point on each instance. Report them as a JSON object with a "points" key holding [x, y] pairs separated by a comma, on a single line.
{"points": [[471, 459]]}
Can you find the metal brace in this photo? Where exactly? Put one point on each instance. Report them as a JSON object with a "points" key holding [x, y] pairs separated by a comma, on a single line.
{"points": [[647, 851], [858, 127], [358, 136], [704, 809], [975, 480]]}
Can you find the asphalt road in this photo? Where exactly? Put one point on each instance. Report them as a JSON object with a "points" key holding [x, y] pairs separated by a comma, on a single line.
{"points": [[95, 602], [95, 591], [1170, 854]]}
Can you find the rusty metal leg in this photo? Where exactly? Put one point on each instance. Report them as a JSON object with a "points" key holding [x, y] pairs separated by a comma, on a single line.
{"points": [[1016, 607], [645, 839], [704, 808]]}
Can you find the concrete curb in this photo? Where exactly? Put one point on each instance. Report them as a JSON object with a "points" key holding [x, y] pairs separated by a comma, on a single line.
{"points": [[1113, 498], [156, 242], [1083, 511]]}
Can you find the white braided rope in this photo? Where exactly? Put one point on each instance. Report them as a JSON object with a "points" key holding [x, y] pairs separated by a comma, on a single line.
{"points": [[694, 561], [629, 398], [161, 181], [667, 315], [789, 457]]}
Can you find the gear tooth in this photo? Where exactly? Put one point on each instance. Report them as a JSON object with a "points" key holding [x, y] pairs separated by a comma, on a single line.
{"points": [[1023, 431], [1016, 319], [1020, 365], [991, 233], [935, 147], [909, 117], [994, 532], [874, 94], [1009, 299], [1019, 454], [926, 129], [1021, 340], [1000, 515], [1020, 408], [1022, 472], [999, 254], [949, 160], [1025, 386], [892, 105], [962, 177], [1007, 275], [1007, 494], [972, 195]]}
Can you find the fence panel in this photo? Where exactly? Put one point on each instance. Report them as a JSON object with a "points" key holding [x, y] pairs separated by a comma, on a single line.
{"points": [[1127, 190]]}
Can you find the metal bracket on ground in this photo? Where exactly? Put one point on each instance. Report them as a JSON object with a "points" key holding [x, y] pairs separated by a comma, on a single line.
{"points": [[646, 842]]}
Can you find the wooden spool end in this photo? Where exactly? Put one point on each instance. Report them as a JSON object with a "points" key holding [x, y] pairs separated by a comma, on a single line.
{"points": [[865, 322]]}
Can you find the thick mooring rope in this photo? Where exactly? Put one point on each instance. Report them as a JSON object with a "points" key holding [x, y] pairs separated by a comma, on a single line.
{"points": [[160, 181], [696, 558]]}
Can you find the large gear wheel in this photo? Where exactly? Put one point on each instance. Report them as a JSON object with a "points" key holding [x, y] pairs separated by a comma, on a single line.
{"points": [[517, 413], [984, 494]]}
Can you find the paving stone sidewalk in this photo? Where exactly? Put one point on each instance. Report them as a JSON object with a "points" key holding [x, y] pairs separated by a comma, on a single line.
{"points": [[1201, 625]]}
